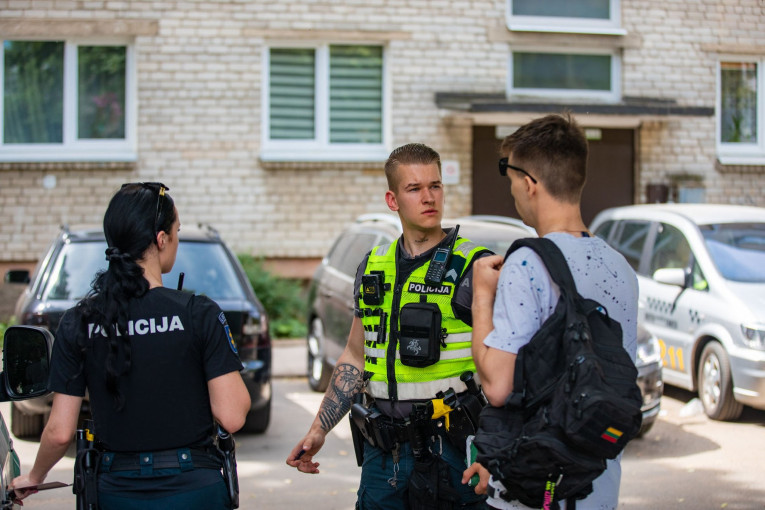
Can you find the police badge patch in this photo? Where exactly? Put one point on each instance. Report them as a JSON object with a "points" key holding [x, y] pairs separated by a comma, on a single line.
{"points": [[227, 329]]}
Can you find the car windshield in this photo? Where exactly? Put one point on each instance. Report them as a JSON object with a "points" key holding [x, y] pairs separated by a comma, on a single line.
{"points": [[74, 270], [206, 267], [207, 270], [737, 249]]}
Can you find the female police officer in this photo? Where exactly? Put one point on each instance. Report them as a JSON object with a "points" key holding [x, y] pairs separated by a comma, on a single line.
{"points": [[157, 365]]}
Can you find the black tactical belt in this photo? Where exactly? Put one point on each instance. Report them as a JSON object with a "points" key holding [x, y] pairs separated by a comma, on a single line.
{"points": [[184, 458]]}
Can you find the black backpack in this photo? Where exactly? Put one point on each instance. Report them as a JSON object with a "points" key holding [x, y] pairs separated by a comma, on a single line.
{"points": [[575, 400]]}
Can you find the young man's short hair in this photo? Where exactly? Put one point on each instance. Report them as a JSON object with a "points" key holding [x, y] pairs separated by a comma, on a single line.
{"points": [[409, 154], [554, 148]]}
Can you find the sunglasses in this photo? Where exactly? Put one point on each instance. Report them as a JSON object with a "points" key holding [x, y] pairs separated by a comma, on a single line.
{"points": [[159, 189], [504, 165]]}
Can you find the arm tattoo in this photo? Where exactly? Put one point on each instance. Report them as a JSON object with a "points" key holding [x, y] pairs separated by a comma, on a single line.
{"points": [[346, 382]]}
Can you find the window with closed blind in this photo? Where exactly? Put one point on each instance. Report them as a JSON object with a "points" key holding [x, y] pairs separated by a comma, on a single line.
{"points": [[324, 103]]}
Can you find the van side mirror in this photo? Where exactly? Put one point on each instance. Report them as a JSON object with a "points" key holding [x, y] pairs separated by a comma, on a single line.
{"points": [[26, 362], [670, 276], [17, 276]]}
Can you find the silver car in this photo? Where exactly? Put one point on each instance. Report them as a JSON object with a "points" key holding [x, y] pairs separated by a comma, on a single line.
{"points": [[701, 270]]}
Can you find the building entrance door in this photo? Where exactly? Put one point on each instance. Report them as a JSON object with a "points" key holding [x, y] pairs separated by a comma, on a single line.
{"points": [[610, 173]]}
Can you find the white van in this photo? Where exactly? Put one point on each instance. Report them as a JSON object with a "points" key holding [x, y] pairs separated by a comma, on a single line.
{"points": [[701, 270]]}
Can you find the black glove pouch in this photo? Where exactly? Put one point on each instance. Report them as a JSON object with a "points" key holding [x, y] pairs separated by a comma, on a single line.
{"points": [[420, 334]]}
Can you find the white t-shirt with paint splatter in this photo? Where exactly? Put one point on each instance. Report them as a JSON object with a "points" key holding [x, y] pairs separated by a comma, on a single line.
{"points": [[526, 297]]}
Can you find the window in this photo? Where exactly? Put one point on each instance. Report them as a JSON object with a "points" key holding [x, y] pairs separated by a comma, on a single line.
{"points": [[572, 16], [325, 103], [65, 101], [349, 250], [670, 250], [630, 241], [556, 74], [740, 112]]}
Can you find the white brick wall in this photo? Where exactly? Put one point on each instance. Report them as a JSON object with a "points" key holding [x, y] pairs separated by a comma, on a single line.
{"points": [[199, 90]]}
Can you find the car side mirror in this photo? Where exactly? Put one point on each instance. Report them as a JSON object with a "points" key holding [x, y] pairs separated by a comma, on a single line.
{"points": [[17, 276], [670, 276], [26, 362]]}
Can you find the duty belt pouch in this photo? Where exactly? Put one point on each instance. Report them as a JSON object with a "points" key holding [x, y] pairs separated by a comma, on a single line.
{"points": [[429, 485], [420, 334]]}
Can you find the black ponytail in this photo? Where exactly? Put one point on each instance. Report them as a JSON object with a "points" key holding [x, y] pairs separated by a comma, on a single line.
{"points": [[136, 213]]}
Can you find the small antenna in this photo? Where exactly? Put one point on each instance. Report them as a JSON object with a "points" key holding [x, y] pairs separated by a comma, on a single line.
{"points": [[180, 281]]}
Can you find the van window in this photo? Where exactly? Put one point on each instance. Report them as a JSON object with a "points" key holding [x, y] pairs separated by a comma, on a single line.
{"points": [[604, 230], [737, 249], [631, 241], [670, 250]]}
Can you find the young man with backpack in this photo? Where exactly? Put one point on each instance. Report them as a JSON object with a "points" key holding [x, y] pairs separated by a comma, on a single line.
{"points": [[545, 161]]}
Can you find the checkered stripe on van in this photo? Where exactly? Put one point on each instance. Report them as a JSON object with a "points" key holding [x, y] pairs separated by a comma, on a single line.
{"points": [[659, 306]]}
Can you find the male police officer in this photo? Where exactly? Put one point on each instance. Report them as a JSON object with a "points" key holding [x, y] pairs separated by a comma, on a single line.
{"points": [[409, 340]]}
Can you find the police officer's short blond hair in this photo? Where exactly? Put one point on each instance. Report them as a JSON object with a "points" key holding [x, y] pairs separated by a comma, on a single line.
{"points": [[409, 154]]}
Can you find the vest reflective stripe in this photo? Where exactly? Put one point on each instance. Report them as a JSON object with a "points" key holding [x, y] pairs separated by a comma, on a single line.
{"points": [[388, 375], [454, 338], [455, 354], [418, 390]]}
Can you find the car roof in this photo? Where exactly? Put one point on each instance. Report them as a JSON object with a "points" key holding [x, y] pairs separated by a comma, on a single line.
{"points": [[700, 214], [195, 233], [486, 225]]}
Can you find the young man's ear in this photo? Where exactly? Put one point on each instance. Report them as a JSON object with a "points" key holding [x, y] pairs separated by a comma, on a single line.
{"points": [[390, 199]]}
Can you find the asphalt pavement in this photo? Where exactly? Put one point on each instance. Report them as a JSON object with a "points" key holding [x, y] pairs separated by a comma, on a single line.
{"points": [[289, 358]]}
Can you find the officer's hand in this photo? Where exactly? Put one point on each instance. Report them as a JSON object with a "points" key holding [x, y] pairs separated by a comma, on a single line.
{"points": [[23, 481], [301, 456], [483, 473]]}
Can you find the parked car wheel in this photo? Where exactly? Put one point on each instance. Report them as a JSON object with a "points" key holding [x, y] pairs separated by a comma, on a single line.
{"points": [[716, 385], [257, 421], [645, 427], [319, 371], [25, 425]]}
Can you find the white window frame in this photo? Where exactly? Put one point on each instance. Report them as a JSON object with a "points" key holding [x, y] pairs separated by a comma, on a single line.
{"points": [[72, 149], [612, 26], [320, 149], [612, 96], [741, 153]]}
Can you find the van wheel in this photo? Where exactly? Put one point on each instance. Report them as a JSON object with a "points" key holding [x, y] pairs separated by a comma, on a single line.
{"points": [[716, 385], [25, 425], [319, 371]]}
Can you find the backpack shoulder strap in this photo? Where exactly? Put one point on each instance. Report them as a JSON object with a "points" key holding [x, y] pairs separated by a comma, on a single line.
{"points": [[553, 259]]}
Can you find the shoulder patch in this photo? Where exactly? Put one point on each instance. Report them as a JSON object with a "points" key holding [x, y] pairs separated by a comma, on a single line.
{"points": [[227, 329]]}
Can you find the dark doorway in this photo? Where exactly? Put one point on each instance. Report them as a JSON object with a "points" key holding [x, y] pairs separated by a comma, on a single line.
{"points": [[610, 174]]}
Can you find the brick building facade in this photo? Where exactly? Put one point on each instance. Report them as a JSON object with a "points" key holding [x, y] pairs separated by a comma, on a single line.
{"points": [[200, 83]]}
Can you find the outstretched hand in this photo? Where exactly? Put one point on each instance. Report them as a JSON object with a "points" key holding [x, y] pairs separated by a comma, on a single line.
{"points": [[301, 457]]}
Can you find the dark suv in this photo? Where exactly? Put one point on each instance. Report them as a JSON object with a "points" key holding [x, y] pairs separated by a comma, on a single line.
{"points": [[330, 299], [65, 273]]}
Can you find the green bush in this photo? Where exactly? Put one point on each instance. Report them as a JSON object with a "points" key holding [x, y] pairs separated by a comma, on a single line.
{"points": [[283, 298]]}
